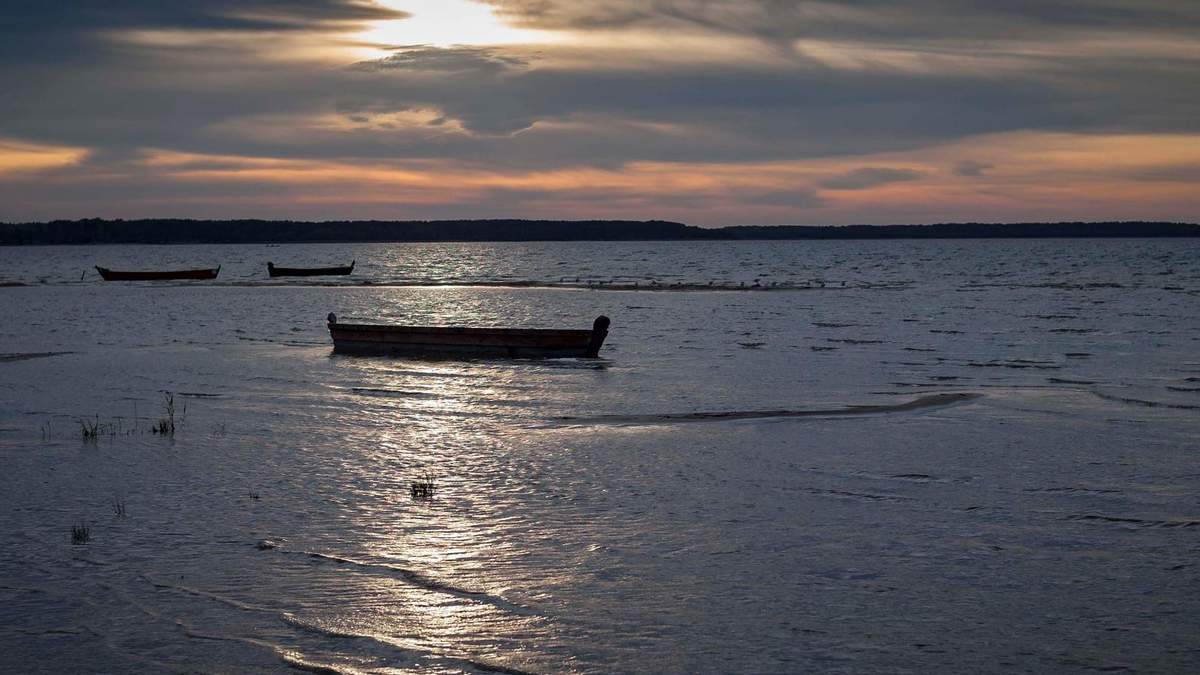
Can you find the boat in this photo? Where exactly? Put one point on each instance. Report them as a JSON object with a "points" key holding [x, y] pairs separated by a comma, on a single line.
{"points": [[308, 271], [385, 340], [113, 275]]}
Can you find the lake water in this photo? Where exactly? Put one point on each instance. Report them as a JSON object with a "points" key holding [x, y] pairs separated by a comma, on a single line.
{"points": [[957, 456]]}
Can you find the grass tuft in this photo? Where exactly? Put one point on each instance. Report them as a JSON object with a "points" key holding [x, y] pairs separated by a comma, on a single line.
{"points": [[166, 425], [80, 534], [118, 505], [93, 429]]}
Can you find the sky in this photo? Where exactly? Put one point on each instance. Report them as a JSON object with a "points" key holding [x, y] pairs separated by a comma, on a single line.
{"points": [[709, 112]]}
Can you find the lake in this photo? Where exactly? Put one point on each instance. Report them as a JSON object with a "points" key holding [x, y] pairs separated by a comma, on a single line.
{"points": [[797, 456]]}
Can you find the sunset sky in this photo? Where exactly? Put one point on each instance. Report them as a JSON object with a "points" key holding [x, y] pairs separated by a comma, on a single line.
{"points": [[710, 112]]}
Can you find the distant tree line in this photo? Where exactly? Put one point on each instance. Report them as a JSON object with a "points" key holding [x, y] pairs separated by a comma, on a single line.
{"points": [[176, 231]]}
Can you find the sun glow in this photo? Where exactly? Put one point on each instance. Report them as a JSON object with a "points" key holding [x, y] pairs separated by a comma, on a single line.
{"points": [[442, 23]]}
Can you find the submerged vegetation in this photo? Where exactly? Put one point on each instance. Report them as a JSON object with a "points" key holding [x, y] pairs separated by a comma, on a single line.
{"points": [[80, 534], [166, 425], [422, 489], [93, 429]]}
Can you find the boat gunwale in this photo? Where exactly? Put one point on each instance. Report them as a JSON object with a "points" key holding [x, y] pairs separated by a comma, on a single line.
{"points": [[203, 273], [337, 270], [460, 330]]}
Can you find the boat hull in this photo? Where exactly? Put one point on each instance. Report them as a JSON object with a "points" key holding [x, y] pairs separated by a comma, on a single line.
{"points": [[309, 271], [113, 275], [452, 342]]}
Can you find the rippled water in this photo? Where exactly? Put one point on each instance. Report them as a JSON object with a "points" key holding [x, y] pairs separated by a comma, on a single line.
{"points": [[839, 457]]}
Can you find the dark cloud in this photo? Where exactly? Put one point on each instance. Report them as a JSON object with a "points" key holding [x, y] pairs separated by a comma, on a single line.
{"points": [[971, 168], [41, 31], [1170, 173], [869, 177], [839, 19]]}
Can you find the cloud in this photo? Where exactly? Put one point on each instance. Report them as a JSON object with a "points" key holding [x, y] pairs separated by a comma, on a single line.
{"points": [[971, 168], [446, 60], [869, 177], [792, 19], [862, 93]]}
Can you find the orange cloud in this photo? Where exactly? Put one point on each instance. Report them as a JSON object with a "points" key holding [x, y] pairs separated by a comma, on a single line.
{"points": [[25, 157]]}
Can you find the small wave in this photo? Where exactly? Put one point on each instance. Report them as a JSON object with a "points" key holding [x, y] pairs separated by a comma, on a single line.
{"points": [[1018, 364], [1063, 380], [25, 356], [1144, 402], [933, 400], [417, 579], [861, 496], [187, 590], [1140, 522], [1070, 490], [293, 658], [373, 391]]}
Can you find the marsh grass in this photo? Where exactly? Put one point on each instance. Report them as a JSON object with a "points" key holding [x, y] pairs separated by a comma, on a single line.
{"points": [[254, 496], [118, 505], [422, 489], [80, 534], [166, 425], [93, 429]]}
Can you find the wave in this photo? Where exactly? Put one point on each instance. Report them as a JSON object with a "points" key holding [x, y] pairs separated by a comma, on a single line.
{"points": [[25, 356], [380, 391], [933, 400], [296, 660], [1140, 522], [417, 579], [1143, 402]]}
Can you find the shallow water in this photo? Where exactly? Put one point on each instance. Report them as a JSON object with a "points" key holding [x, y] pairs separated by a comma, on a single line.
{"points": [[840, 457]]}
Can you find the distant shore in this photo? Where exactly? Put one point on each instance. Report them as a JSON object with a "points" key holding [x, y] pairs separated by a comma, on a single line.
{"points": [[179, 231]]}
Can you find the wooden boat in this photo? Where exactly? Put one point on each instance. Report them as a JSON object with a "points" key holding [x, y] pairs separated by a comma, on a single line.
{"points": [[113, 275], [308, 271], [370, 339]]}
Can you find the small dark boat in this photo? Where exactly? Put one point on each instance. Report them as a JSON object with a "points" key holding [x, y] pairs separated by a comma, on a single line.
{"points": [[370, 339], [113, 275], [308, 271]]}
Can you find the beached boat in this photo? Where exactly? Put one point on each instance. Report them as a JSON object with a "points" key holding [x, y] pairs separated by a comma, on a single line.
{"points": [[113, 275], [308, 271], [371, 339]]}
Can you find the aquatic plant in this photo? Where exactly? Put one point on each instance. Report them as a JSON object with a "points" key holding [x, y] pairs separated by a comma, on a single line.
{"points": [[422, 489], [92, 429], [166, 425], [118, 505], [80, 534], [252, 494]]}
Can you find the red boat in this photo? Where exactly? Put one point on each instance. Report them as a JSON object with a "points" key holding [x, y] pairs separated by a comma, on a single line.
{"points": [[113, 275], [370, 339]]}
